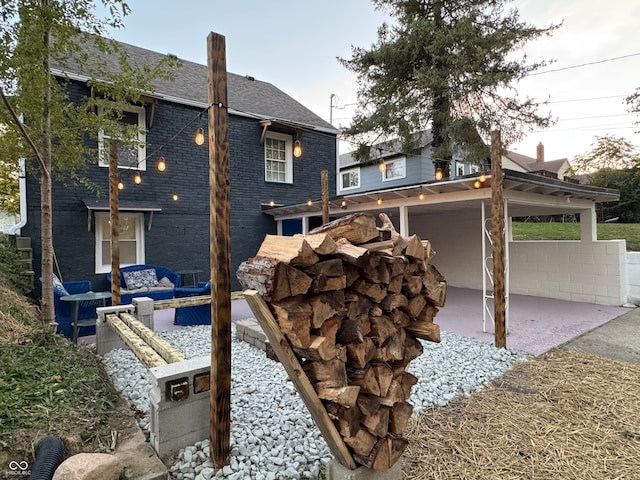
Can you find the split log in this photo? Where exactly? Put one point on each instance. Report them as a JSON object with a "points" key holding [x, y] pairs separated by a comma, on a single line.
{"points": [[384, 376], [352, 273], [424, 330], [387, 226], [393, 301], [412, 286], [321, 243], [325, 306], [327, 268], [400, 318], [365, 378], [429, 252], [332, 373], [352, 254], [359, 354], [382, 328], [362, 442], [377, 423], [428, 313], [347, 420], [374, 291], [368, 404], [291, 250], [395, 284], [321, 283], [393, 348], [384, 454], [294, 319], [414, 248], [350, 331], [356, 228], [385, 245], [415, 306], [399, 416], [272, 279], [319, 349], [345, 396]]}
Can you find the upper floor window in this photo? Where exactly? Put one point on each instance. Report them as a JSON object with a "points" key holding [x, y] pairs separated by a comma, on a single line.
{"points": [[350, 178], [459, 169], [394, 169], [131, 228], [278, 158], [130, 155]]}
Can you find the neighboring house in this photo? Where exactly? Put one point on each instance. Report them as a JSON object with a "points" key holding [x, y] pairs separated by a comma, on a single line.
{"points": [[540, 166], [165, 219], [392, 168]]}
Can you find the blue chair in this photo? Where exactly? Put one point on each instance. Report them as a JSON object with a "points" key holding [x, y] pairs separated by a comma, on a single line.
{"points": [[63, 309], [197, 315]]}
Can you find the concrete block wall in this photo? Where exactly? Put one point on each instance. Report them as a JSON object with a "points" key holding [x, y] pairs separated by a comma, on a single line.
{"points": [[175, 424], [633, 276], [593, 272]]}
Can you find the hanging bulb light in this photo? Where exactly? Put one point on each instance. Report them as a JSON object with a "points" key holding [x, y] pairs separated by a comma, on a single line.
{"points": [[272, 203], [343, 204], [120, 185], [199, 138], [137, 178], [309, 202], [477, 184], [483, 177], [382, 166], [162, 166], [174, 197], [439, 174], [297, 149], [379, 202], [421, 196]]}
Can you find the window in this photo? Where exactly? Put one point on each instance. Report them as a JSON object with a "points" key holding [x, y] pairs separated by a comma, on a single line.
{"points": [[131, 240], [130, 156], [278, 158], [475, 168], [459, 169], [350, 179], [395, 169]]}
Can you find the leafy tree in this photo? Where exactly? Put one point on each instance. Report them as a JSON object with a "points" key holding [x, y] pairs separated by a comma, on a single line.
{"points": [[633, 101], [57, 136], [608, 152], [9, 194], [627, 180], [448, 63]]}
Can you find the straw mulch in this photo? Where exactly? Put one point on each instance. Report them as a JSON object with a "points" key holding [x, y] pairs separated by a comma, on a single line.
{"points": [[17, 316], [564, 415]]}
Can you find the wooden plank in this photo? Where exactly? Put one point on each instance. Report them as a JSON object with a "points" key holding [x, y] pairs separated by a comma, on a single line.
{"points": [[159, 344], [292, 250], [299, 379], [219, 252], [147, 355], [181, 302]]}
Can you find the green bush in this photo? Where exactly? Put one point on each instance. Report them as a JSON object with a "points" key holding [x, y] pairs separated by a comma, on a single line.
{"points": [[11, 267]]}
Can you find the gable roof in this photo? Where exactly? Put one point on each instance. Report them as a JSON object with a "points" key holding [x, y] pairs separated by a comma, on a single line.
{"points": [[246, 95], [529, 164]]}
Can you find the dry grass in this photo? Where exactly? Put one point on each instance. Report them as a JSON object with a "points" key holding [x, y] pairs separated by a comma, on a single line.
{"points": [[565, 415], [17, 316]]}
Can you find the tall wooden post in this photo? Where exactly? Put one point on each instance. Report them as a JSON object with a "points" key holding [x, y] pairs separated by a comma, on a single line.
{"points": [[114, 206], [220, 393], [497, 235], [324, 184]]}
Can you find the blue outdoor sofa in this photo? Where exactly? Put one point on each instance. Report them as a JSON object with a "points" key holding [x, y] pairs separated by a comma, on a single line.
{"points": [[153, 281], [197, 315]]}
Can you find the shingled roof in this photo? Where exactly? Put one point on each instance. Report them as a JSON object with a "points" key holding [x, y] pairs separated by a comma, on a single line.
{"points": [[246, 95]]}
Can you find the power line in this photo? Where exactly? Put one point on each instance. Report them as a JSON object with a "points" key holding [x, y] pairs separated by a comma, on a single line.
{"points": [[587, 99], [583, 64]]}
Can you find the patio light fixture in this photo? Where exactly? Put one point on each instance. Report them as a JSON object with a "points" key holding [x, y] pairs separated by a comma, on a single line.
{"points": [[162, 166], [297, 149], [439, 174], [137, 178], [199, 138]]}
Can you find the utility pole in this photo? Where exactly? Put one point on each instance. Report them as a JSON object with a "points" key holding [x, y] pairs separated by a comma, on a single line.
{"points": [[219, 207], [114, 217]]}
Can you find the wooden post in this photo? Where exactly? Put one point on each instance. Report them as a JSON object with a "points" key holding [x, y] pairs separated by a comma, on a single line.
{"points": [[497, 235], [324, 181], [114, 206], [220, 393]]}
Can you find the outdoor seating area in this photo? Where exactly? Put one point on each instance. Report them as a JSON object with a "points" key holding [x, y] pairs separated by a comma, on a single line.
{"points": [[198, 314], [64, 309], [153, 281]]}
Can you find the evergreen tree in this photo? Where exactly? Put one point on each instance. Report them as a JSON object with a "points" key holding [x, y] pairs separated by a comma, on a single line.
{"points": [[56, 136], [450, 65]]}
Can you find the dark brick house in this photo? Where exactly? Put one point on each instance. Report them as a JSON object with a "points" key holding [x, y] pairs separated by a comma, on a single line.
{"points": [[165, 219]]}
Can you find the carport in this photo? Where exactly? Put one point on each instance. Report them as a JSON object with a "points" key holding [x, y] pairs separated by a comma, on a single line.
{"points": [[454, 215]]}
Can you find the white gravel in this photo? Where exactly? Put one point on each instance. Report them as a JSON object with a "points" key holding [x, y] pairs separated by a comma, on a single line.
{"points": [[272, 433]]}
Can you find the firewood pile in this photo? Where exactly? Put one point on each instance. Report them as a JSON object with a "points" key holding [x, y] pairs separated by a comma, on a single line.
{"points": [[352, 299]]}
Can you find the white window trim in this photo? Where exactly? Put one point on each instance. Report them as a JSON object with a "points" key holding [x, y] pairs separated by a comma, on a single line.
{"points": [[103, 154], [99, 268], [288, 148], [342, 187], [384, 174], [458, 165], [474, 168]]}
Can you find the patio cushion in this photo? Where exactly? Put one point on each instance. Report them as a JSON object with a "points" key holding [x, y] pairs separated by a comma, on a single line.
{"points": [[141, 278], [58, 284]]}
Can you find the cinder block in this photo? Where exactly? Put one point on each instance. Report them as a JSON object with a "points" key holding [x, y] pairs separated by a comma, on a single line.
{"points": [[335, 471]]}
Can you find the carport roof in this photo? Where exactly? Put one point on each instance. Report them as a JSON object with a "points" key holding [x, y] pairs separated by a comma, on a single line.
{"points": [[458, 191]]}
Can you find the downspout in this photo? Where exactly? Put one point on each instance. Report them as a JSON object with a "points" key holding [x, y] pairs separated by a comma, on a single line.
{"points": [[22, 184]]}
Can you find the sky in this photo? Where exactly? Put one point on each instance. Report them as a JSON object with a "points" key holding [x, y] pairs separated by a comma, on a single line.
{"points": [[294, 45]]}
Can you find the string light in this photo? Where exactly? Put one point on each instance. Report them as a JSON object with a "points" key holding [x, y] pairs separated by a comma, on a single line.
{"points": [[120, 185], [162, 166], [297, 149], [382, 166], [379, 202], [343, 204], [174, 197], [477, 184], [199, 138], [137, 178], [309, 202], [483, 178], [421, 196], [272, 203], [439, 174]]}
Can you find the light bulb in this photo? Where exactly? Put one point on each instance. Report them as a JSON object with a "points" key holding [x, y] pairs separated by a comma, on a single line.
{"points": [[379, 201], [477, 184], [382, 167], [272, 203], [137, 179], [162, 166], [439, 174], [344, 204], [120, 185], [199, 139], [175, 197], [297, 149], [309, 202], [483, 178], [421, 196]]}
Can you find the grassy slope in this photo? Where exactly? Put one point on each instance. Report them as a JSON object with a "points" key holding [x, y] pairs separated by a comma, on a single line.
{"points": [[571, 231]]}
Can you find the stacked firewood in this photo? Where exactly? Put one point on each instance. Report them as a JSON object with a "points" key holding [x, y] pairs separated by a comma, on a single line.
{"points": [[352, 299]]}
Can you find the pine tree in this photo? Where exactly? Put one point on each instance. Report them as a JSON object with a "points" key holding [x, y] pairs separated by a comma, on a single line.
{"points": [[450, 65]]}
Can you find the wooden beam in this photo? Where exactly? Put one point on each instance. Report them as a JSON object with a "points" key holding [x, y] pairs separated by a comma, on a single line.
{"points": [[299, 378], [182, 302], [219, 256], [167, 351], [497, 235], [147, 355]]}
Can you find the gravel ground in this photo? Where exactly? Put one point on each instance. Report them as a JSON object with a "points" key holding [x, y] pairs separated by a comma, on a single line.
{"points": [[272, 433]]}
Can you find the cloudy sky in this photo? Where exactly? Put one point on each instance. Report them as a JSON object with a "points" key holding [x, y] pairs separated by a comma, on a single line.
{"points": [[293, 44]]}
